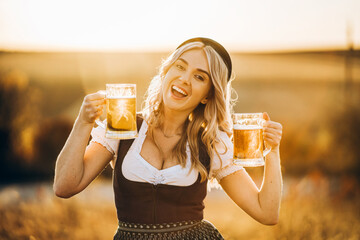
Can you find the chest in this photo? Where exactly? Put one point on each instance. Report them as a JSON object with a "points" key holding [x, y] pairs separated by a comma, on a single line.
{"points": [[159, 153]]}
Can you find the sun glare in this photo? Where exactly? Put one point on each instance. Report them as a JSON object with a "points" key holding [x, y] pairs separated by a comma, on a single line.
{"points": [[161, 24]]}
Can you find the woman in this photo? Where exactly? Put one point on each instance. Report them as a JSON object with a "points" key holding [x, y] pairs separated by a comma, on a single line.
{"points": [[160, 178]]}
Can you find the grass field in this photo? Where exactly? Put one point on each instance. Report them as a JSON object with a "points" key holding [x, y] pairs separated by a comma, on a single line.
{"points": [[309, 211]]}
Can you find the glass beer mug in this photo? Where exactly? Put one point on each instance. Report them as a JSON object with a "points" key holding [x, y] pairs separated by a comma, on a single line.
{"points": [[120, 111], [248, 139]]}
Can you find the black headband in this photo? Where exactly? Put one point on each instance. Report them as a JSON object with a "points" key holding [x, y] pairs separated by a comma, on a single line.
{"points": [[217, 47]]}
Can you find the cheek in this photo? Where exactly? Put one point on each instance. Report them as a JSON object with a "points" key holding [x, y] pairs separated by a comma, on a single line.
{"points": [[200, 92], [168, 77], [165, 82], [204, 89], [170, 73]]}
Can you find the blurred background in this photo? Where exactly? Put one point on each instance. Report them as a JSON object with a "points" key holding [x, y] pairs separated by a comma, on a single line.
{"points": [[297, 60]]}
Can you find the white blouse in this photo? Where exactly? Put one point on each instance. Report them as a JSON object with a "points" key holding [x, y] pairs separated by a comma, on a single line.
{"points": [[136, 168]]}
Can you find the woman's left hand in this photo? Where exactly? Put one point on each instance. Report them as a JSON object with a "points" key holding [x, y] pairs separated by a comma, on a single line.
{"points": [[272, 132]]}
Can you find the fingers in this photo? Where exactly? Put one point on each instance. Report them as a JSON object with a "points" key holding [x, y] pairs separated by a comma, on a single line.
{"points": [[272, 132], [100, 95], [271, 137], [93, 111], [92, 106], [266, 116], [272, 141], [271, 124], [95, 102]]}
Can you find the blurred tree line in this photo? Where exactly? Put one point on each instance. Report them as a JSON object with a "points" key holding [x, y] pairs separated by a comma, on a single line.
{"points": [[30, 141], [330, 145]]}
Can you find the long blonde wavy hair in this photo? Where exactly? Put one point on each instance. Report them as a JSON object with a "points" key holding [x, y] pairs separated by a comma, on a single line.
{"points": [[206, 119]]}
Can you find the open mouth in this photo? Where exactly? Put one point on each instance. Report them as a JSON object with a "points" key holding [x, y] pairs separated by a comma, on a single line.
{"points": [[178, 92]]}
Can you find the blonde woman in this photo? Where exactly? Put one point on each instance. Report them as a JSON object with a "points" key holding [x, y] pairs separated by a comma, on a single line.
{"points": [[160, 178]]}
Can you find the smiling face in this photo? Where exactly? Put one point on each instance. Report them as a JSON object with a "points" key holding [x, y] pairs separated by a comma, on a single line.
{"points": [[187, 82]]}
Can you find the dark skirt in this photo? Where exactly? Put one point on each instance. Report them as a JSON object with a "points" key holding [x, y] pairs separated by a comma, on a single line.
{"points": [[174, 231]]}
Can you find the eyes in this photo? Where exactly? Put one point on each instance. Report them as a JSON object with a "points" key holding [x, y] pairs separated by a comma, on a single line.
{"points": [[179, 65], [198, 76]]}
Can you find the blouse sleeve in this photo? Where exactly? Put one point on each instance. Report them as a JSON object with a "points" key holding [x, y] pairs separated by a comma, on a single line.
{"points": [[98, 136], [222, 164]]}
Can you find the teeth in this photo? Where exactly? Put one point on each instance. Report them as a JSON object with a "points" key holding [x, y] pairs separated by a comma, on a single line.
{"points": [[179, 90]]}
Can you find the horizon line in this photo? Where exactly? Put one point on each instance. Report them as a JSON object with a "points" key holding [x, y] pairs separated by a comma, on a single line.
{"points": [[282, 51]]}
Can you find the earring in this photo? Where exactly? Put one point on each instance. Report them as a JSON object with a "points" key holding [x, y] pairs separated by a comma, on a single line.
{"points": [[204, 101]]}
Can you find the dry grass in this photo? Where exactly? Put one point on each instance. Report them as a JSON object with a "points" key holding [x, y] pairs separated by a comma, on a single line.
{"points": [[299, 219], [32, 212]]}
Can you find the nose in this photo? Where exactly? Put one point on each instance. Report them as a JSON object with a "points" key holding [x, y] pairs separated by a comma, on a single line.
{"points": [[185, 77]]}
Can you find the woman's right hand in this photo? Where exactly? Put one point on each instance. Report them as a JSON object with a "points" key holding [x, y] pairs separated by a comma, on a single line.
{"points": [[79, 163], [92, 107]]}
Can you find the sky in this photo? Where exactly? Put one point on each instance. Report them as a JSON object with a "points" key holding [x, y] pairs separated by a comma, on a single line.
{"points": [[161, 25]]}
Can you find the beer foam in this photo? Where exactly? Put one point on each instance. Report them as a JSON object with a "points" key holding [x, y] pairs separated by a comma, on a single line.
{"points": [[246, 127], [120, 97]]}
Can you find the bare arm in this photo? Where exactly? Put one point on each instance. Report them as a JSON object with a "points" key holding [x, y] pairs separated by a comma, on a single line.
{"points": [[264, 204], [77, 165]]}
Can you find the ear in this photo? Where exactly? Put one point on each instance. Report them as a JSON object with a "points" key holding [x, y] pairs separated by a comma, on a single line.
{"points": [[204, 100]]}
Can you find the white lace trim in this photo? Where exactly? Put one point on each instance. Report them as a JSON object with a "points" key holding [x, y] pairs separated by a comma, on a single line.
{"points": [[98, 136], [214, 181], [104, 144], [227, 171]]}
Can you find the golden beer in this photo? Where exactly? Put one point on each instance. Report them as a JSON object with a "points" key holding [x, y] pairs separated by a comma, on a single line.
{"points": [[248, 142], [248, 139], [121, 111], [121, 114]]}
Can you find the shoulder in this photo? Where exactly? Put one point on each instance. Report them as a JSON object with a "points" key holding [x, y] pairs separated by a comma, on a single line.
{"points": [[98, 136], [224, 136], [222, 160], [223, 142]]}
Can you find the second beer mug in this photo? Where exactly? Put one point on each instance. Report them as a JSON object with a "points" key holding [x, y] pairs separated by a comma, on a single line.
{"points": [[248, 139], [120, 111]]}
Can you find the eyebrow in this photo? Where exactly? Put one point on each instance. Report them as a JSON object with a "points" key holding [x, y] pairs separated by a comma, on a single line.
{"points": [[199, 69]]}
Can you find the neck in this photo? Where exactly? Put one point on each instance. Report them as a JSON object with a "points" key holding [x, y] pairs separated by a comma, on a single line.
{"points": [[173, 122]]}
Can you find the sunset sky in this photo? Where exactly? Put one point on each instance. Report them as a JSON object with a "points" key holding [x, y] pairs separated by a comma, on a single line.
{"points": [[153, 25]]}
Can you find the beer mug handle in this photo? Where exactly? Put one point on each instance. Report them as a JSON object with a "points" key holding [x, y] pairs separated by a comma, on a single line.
{"points": [[97, 121], [266, 151]]}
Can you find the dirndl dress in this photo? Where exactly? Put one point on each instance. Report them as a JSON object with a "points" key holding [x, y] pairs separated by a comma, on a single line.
{"points": [[146, 211], [200, 230]]}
